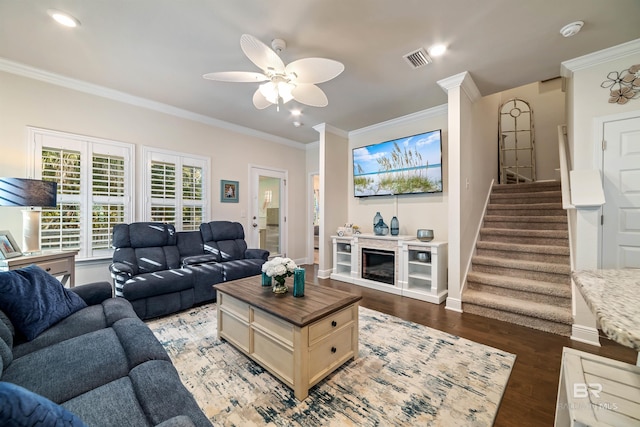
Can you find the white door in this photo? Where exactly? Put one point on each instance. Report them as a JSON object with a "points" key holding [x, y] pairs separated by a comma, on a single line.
{"points": [[621, 211], [268, 226]]}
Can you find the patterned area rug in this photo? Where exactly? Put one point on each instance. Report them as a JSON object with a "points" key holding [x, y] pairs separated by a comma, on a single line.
{"points": [[406, 374]]}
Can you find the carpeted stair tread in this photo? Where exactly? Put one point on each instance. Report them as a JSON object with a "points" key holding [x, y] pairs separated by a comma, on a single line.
{"points": [[527, 308], [526, 219], [518, 284], [534, 186], [516, 247], [516, 264], [520, 198], [510, 232], [524, 206], [519, 319]]}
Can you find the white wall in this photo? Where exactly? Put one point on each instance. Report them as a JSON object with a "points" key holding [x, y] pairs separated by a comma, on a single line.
{"points": [[413, 211], [27, 102]]}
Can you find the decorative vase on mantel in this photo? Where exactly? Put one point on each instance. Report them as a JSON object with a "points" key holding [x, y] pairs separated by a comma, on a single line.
{"points": [[381, 229], [395, 226], [377, 218]]}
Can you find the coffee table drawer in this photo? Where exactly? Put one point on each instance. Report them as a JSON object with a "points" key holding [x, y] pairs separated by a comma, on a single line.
{"points": [[277, 328], [235, 330], [272, 354], [235, 306], [332, 351], [331, 323]]}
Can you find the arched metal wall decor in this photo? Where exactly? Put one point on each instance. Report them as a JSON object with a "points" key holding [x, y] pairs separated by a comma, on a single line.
{"points": [[517, 142]]}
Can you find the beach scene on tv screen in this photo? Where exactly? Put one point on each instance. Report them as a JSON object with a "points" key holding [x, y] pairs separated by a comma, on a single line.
{"points": [[402, 166]]}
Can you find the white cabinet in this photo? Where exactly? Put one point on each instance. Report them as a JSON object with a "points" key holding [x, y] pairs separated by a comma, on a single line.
{"points": [[342, 258], [420, 267], [424, 274]]}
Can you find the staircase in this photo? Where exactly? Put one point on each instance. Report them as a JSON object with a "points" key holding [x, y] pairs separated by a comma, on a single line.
{"points": [[520, 272]]}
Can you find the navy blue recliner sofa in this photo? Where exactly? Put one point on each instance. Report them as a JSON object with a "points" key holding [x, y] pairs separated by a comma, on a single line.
{"points": [[162, 271], [99, 365]]}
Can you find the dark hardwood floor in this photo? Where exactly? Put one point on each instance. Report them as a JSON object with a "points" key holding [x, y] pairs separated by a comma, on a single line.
{"points": [[530, 396]]}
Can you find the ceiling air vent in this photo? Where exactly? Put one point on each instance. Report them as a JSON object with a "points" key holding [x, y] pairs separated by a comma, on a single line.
{"points": [[418, 58]]}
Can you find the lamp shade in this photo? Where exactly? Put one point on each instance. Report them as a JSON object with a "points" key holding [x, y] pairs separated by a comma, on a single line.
{"points": [[27, 192]]}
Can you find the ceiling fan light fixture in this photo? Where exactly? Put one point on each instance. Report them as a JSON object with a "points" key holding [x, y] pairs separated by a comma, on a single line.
{"points": [[270, 91], [297, 80], [284, 90], [63, 18]]}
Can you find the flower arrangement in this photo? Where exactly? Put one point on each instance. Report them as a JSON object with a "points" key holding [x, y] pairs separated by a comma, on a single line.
{"points": [[279, 268]]}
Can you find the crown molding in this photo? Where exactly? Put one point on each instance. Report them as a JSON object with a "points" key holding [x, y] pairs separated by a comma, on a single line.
{"points": [[463, 80], [438, 111], [324, 127], [101, 91], [567, 68]]}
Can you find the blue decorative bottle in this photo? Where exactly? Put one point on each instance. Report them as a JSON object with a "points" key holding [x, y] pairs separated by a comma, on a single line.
{"points": [[395, 226], [377, 219]]}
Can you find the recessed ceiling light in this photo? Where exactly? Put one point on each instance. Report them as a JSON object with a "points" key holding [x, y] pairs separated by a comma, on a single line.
{"points": [[63, 18], [296, 112], [437, 50], [571, 29]]}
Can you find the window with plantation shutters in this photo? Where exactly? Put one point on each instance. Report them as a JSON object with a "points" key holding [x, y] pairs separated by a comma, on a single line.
{"points": [[108, 198], [94, 178], [175, 186]]}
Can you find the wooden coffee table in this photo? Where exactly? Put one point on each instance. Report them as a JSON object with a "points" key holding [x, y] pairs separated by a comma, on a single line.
{"points": [[298, 340]]}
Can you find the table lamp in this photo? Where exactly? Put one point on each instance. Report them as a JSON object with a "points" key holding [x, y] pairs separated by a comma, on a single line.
{"points": [[32, 193]]}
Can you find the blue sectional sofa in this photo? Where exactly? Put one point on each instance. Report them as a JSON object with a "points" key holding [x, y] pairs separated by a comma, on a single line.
{"points": [[162, 271], [100, 365]]}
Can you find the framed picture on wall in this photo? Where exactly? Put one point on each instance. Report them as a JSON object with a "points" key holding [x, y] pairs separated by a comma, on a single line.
{"points": [[8, 247], [229, 191]]}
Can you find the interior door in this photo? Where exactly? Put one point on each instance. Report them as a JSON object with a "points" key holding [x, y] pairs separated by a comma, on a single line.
{"points": [[268, 210], [621, 212]]}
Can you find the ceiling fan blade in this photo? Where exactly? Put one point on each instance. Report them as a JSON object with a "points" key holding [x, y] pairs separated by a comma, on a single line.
{"points": [[260, 54], [236, 76], [314, 70], [310, 94], [260, 101]]}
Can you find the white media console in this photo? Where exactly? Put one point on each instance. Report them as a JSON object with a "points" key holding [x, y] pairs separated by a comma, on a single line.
{"points": [[400, 265]]}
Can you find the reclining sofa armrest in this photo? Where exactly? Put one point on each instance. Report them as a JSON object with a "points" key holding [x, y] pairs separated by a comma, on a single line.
{"points": [[199, 259], [121, 269], [94, 293], [257, 254]]}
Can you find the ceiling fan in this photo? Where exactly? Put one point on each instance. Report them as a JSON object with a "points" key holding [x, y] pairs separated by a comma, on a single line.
{"points": [[297, 80]]}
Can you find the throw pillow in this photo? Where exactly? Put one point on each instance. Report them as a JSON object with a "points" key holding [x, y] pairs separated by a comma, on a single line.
{"points": [[34, 300], [20, 407]]}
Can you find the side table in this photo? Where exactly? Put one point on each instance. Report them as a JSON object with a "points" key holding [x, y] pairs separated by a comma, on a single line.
{"points": [[56, 263]]}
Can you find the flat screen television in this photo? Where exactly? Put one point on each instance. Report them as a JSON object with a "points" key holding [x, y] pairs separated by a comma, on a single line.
{"points": [[409, 165]]}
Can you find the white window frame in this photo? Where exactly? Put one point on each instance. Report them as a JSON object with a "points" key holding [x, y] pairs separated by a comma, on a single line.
{"points": [[87, 147], [151, 154]]}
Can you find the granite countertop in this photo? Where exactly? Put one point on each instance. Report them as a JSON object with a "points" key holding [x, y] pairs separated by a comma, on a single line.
{"points": [[614, 297]]}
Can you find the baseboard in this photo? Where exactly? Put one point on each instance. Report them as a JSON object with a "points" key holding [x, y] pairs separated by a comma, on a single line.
{"points": [[585, 334], [454, 304], [324, 274]]}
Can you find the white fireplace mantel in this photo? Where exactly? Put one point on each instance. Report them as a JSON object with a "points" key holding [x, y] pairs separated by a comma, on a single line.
{"points": [[412, 278]]}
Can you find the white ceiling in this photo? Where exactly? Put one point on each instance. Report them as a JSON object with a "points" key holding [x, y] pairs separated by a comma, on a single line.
{"points": [[159, 49]]}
